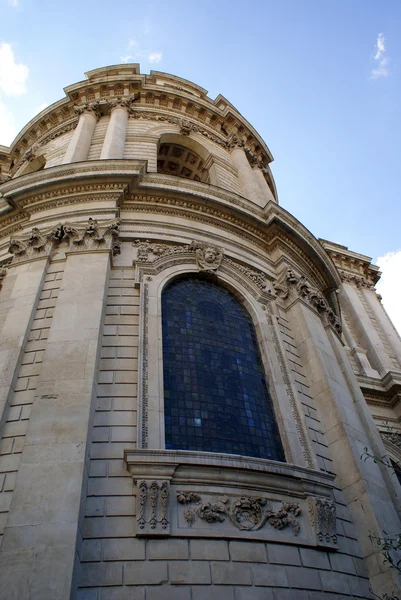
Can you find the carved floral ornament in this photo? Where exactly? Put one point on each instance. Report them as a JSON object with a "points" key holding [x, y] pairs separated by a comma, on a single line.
{"points": [[357, 280], [209, 258], [247, 513], [79, 237]]}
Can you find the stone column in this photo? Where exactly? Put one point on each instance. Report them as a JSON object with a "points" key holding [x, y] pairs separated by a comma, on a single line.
{"points": [[384, 321], [263, 185], [80, 142], [376, 352], [114, 141], [349, 428], [42, 539], [247, 180]]}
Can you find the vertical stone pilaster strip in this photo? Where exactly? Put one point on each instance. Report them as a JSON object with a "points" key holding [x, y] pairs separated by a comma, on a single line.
{"points": [[248, 182], [52, 472]]}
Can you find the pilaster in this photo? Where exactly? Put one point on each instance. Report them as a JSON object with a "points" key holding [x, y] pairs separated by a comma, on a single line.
{"points": [[43, 533]]}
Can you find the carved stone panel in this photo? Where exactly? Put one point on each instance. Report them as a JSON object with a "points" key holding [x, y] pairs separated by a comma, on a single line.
{"points": [[153, 498], [200, 494], [322, 514]]}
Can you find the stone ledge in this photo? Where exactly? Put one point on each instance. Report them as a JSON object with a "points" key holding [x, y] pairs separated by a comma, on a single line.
{"points": [[202, 494]]}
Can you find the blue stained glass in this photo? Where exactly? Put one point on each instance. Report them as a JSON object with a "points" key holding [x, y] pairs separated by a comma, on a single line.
{"points": [[214, 379]]}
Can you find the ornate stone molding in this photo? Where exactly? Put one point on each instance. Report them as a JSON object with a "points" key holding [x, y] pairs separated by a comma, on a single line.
{"points": [[322, 513], [153, 502], [3, 273], [356, 280], [202, 494], [186, 126], [123, 102], [208, 257], [289, 285], [78, 237], [247, 513], [91, 107]]}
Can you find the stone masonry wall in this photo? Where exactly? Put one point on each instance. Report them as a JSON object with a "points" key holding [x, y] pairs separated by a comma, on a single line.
{"points": [[115, 565], [18, 411]]}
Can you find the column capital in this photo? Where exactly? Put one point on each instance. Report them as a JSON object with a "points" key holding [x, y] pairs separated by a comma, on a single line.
{"points": [[123, 102], [92, 108]]}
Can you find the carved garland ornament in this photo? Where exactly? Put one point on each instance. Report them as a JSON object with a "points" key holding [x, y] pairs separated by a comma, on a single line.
{"points": [[247, 513], [208, 256]]}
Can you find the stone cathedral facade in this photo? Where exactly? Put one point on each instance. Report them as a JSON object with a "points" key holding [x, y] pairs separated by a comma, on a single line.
{"points": [[189, 378]]}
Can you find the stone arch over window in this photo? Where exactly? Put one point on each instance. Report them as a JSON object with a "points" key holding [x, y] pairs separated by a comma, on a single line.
{"points": [[182, 156], [216, 396]]}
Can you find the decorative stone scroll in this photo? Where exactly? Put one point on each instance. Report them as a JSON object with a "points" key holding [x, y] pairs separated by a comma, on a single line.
{"points": [[3, 273], [208, 257], [153, 505], [322, 514], [289, 285], [246, 513], [88, 237]]}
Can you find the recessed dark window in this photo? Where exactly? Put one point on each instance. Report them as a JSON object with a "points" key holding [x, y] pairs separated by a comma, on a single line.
{"points": [[216, 397]]}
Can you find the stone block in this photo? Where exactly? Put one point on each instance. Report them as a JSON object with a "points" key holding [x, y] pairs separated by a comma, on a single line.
{"points": [[145, 573], [253, 593], [123, 549], [167, 549], [314, 559], [107, 486], [283, 554], [120, 506], [87, 594], [96, 575], [248, 552], [122, 593], [269, 575], [91, 551], [342, 563], [213, 592], [299, 577], [168, 592], [189, 572], [209, 550], [94, 507], [224, 573], [335, 582], [109, 527]]}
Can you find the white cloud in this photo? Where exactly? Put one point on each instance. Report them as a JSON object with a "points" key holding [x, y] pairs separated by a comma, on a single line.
{"points": [[13, 76], [7, 126], [389, 285], [155, 57], [382, 67], [13, 3], [380, 47], [41, 107], [132, 44], [126, 59]]}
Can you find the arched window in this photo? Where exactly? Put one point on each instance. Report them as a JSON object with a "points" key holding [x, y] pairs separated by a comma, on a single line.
{"points": [[216, 397]]}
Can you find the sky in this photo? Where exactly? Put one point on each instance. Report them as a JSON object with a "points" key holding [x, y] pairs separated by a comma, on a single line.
{"points": [[320, 80]]}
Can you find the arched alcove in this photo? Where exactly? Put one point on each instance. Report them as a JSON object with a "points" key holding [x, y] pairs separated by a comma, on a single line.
{"points": [[181, 156]]}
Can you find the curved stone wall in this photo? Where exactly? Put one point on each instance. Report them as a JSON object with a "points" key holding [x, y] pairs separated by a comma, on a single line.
{"points": [[93, 505]]}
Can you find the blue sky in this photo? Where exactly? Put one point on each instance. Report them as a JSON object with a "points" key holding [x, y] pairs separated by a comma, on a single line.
{"points": [[319, 79]]}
